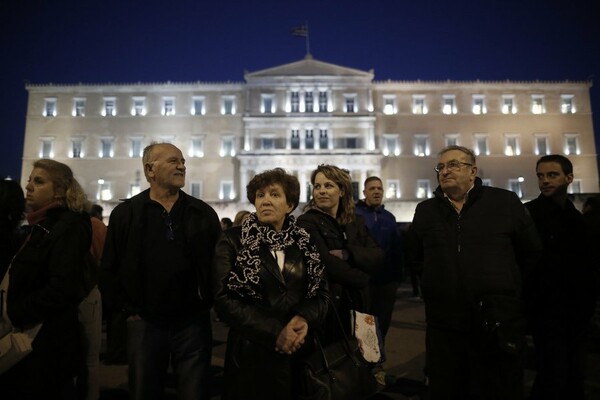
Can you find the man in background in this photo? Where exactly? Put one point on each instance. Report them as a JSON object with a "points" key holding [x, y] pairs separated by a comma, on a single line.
{"points": [[560, 294]]}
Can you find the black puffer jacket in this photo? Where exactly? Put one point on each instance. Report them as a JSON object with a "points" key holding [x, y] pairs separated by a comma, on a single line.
{"points": [[47, 284], [348, 278], [486, 249], [253, 368]]}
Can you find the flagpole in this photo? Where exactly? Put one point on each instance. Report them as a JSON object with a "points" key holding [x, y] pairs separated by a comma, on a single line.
{"points": [[307, 40]]}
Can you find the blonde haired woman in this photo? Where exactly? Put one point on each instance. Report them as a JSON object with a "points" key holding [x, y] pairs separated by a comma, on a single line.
{"points": [[47, 283]]}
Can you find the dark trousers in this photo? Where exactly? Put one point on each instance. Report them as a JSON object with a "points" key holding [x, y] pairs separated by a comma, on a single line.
{"points": [[461, 366], [187, 345], [383, 299], [560, 359]]}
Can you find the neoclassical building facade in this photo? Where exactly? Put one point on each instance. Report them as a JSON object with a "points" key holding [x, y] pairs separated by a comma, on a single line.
{"points": [[306, 113]]}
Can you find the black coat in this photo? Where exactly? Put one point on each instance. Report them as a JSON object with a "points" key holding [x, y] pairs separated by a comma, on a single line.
{"points": [[486, 249], [253, 369], [348, 278], [563, 284], [121, 276], [47, 284]]}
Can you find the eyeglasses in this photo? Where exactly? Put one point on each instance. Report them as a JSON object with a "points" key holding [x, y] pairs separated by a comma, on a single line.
{"points": [[451, 166], [170, 229]]}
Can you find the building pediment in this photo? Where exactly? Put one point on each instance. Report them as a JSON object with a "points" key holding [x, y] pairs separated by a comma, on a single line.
{"points": [[308, 67]]}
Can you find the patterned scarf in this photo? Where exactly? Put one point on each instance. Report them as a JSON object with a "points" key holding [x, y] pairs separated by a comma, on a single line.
{"points": [[244, 278]]}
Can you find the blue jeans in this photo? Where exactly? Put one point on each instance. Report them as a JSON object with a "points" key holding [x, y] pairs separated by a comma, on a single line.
{"points": [[186, 344]]}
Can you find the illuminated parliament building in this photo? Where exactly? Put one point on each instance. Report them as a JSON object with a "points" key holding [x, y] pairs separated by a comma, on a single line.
{"points": [[305, 113]]}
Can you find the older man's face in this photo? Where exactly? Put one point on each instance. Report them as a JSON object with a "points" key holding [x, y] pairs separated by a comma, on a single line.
{"points": [[458, 173]]}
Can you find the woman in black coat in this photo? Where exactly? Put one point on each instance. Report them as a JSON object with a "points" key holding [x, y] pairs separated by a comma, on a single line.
{"points": [[46, 284], [269, 288], [349, 253]]}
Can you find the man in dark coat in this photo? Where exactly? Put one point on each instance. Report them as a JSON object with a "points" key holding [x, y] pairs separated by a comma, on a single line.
{"points": [[382, 227], [156, 268], [560, 294], [472, 244]]}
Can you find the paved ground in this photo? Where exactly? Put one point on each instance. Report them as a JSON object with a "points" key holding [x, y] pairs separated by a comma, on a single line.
{"points": [[405, 349]]}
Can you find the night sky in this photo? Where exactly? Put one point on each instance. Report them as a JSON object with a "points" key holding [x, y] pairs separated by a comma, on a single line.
{"points": [[66, 41]]}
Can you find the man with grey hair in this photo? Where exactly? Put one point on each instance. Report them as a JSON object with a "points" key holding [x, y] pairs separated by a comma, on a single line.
{"points": [[156, 268], [472, 245]]}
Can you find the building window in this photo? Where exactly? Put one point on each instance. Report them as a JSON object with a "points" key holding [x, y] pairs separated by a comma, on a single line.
{"points": [[323, 101], [423, 189], [227, 147], [267, 142], [541, 145], [508, 104], [451, 139], [78, 107], [511, 145], [110, 107], [575, 186], [309, 102], [196, 189], [47, 148], [76, 148], [350, 103], [481, 145], [50, 107], [486, 181], [294, 102], [449, 104], [136, 149], [391, 145], [267, 105], [228, 105], [104, 192], [537, 104], [392, 190], [168, 106], [197, 147], [572, 144], [198, 105], [106, 148], [479, 106], [309, 139], [389, 104], [349, 142], [516, 185], [323, 139], [134, 189], [566, 104], [419, 106], [138, 106], [295, 139], [226, 191], [421, 148]]}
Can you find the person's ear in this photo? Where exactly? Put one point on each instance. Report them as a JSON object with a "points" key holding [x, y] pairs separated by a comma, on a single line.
{"points": [[569, 178]]}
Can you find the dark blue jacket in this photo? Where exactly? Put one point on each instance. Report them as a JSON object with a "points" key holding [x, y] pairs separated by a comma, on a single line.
{"points": [[384, 230]]}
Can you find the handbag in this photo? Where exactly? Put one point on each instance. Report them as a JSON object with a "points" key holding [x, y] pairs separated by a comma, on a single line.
{"points": [[15, 343], [337, 371], [365, 328]]}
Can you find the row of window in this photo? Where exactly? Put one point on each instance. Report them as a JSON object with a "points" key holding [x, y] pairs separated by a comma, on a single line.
{"points": [[392, 190], [305, 102], [390, 145]]}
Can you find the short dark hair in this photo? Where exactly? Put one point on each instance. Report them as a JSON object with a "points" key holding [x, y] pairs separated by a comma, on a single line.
{"points": [[565, 163], [12, 202], [462, 149], [289, 183], [227, 222], [96, 211], [371, 179]]}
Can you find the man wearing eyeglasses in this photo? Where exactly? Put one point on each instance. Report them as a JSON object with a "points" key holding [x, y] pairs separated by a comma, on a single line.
{"points": [[562, 291], [472, 245], [156, 264]]}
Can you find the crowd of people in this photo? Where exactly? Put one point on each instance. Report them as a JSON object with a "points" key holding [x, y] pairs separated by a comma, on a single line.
{"points": [[490, 269]]}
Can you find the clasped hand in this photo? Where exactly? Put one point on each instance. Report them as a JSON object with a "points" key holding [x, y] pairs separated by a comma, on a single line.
{"points": [[292, 336]]}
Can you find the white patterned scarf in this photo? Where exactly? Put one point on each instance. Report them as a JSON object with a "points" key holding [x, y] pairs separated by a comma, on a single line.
{"points": [[243, 279]]}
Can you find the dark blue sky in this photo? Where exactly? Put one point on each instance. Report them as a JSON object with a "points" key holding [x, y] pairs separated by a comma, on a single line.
{"points": [[67, 41]]}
